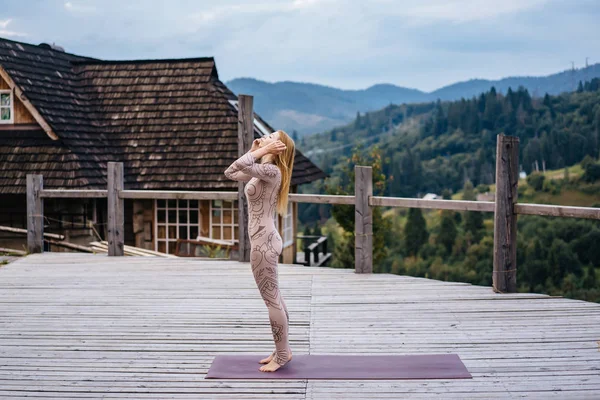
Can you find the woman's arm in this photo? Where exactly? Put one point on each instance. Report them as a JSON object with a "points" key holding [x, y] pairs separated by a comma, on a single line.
{"points": [[235, 173], [247, 165]]}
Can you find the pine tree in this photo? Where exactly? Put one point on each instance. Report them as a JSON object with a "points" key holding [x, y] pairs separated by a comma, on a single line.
{"points": [[590, 279], [447, 234], [473, 219], [415, 231]]}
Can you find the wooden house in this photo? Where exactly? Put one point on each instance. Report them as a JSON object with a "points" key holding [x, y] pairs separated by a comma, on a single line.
{"points": [[172, 123]]}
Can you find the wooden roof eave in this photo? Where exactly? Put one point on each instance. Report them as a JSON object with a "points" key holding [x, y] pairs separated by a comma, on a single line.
{"points": [[19, 93]]}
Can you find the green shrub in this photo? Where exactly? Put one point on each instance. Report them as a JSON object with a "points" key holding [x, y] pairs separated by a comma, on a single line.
{"points": [[536, 180]]}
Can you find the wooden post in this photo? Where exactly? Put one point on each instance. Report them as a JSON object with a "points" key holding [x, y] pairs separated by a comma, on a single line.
{"points": [[245, 138], [363, 220], [504, 277], [35, 214], [116, 220]]}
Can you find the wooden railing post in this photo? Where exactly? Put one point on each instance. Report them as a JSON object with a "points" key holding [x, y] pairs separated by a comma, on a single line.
{"points": [[504, 276], [363, 220], [35, 214], [116, 220], [245, 138]]}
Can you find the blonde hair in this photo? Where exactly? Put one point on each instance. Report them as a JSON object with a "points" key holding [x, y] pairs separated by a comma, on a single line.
{"points": [[285, 162]]}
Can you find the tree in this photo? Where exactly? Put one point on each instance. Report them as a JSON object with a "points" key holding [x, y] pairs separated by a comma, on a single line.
{"points": [[536, 180], [447, 234], [344, 214], [562, 261], [473, 219], [415, 231], [590, 279], [357, 121]]}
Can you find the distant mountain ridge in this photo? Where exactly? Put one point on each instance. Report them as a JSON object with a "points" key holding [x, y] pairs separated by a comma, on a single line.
{"points": [[310, 108]]}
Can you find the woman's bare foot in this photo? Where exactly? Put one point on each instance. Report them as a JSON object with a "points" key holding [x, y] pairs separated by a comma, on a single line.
{"points": [[272, 366], [268, 359]]}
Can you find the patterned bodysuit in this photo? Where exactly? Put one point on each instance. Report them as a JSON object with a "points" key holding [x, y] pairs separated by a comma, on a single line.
{"points": [[262, 188]]}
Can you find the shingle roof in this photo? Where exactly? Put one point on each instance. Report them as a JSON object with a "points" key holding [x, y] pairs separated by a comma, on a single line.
{"points": [[169, 121]]}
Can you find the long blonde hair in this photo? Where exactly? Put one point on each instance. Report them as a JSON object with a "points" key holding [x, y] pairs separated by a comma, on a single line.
{"points": [[285, 162]]}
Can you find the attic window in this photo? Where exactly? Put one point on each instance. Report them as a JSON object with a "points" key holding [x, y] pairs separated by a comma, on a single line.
{"points": [[6, 107], [257, 124]]}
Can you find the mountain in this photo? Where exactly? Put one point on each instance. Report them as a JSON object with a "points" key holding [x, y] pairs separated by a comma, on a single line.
{"points": [[561, 82], [310, 108]]}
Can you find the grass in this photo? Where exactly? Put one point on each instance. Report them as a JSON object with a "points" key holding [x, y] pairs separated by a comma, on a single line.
{"points": [[571, 194]]}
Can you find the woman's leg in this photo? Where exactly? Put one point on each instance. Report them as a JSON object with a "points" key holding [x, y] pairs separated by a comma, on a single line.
{"points": [[264, 267]]}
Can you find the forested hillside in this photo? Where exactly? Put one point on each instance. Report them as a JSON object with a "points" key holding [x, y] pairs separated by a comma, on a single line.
{"points": [[430, 147]]}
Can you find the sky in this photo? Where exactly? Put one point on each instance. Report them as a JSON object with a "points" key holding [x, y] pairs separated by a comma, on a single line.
{"points": [[348, 44]]}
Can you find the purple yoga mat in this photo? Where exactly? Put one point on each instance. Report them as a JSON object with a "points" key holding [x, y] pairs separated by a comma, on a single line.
{"points": [[347, 367]]}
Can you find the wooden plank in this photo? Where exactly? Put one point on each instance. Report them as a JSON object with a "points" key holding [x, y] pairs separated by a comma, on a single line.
{"points": [[12, 251], [557, 211], [456, 205], [245, 138], [504, 274], [116, 224], [363, 220], [35, 214], [24, 232], [177, 194], [73, 194], [69, 245], [321, 198]]}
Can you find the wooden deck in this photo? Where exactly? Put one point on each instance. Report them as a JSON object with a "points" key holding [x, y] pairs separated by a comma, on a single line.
{"points": [[93, 326]]}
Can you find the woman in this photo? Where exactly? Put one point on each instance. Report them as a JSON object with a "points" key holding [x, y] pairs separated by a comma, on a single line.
{"points": [[267, 189]]}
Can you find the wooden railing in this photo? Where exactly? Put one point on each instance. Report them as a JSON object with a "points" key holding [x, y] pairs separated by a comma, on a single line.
{"points": [[505, 206]]}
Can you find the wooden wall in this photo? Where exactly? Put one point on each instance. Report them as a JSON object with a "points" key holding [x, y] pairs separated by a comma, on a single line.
{"points": [[143, 224], [22, 115]]}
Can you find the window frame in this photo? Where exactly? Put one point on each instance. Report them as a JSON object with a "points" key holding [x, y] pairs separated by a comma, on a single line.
{"points": [[12, 106], [235, 222], [288, 226], [177, 224]]}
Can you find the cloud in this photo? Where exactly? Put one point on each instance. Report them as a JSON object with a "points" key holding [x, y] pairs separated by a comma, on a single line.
{"points": [[350, 44], [430, 11], [80, 7], [5, 32], [261, 8]]}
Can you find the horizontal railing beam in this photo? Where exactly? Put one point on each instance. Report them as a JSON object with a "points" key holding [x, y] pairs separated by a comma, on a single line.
{"points": [[456, 205], [180, 195], [321, 198], [73, 194], [557, 211]]}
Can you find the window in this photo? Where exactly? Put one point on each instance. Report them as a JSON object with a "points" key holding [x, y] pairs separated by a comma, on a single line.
{"points": [[288, 226], [6, 107], [224, 220], [175, 219]]}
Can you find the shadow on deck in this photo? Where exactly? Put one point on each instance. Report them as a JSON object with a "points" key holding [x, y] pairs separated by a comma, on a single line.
{"points": [[89, 326]]}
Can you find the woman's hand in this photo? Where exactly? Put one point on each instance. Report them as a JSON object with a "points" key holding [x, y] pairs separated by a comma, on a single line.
{"points": [[275, 147]]}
